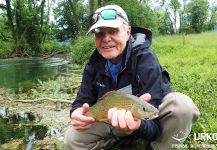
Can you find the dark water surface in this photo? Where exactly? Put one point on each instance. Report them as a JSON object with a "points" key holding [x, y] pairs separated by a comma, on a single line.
{"points": [[21, 73], [20, 126]]}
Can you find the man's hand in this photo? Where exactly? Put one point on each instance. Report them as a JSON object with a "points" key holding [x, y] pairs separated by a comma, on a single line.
{"points": [[123, 120], [79, 121]]}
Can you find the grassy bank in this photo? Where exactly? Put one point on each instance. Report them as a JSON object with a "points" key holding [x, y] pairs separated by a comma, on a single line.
{"points": [[192, 65]]}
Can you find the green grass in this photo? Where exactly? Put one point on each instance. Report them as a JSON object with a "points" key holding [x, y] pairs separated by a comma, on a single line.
{"points": [[192, 65]]}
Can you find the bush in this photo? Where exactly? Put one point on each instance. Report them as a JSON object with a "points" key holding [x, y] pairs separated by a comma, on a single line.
{"points": [[5, 48], [49, 47], [82, 49]]}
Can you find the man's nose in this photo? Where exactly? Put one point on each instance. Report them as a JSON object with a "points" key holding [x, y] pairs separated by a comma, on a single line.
{"points": [[106, 37]]}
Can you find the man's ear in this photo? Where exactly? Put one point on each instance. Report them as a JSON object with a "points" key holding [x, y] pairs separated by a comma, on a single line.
{"points": [[128, 31]]}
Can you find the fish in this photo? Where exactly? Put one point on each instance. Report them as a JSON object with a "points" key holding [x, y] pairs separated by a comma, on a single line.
{"points": [[116, 99]]}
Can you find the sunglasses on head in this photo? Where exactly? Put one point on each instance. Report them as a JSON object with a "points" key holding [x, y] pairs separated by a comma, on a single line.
{"points": [[107, 14]]}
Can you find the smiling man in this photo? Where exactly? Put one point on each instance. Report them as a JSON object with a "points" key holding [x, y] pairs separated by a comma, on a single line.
{"points": [[124, 61]]}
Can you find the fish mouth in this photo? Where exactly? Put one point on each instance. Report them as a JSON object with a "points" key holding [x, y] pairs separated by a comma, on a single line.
{"points": [[151, 115], [154, 115]]}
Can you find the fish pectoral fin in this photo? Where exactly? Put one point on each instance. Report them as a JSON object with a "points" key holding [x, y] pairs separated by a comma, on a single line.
{"points": [[88, 114], [136, 116], [103, 120]]}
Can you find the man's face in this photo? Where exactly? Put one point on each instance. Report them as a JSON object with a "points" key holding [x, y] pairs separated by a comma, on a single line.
{"points": [[110, 42]]}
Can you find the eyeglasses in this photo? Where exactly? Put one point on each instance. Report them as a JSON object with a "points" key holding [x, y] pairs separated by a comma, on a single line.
{"points": [[101, 33], [108, 14]]}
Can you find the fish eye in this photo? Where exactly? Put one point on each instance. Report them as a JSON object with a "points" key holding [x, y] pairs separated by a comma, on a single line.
{"points": [[143, 109]]}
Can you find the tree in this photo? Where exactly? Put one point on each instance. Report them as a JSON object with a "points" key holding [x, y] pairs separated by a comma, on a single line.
{"points": [[68, 26], [184, 25], [10, 17], [26, 20], [165, 23], [74, 17], [140, 14], [91, 9], [175, 6], [213, 18], [197, 15]]}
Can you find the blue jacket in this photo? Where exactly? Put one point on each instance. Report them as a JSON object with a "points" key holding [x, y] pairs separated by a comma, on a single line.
{"points": [[140, 69]]}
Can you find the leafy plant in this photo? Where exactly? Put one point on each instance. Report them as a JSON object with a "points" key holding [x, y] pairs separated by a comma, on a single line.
{"points": [[82, 48]]}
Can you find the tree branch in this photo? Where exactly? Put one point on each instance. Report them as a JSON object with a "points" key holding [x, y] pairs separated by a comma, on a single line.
{"points": [[45, 99]]}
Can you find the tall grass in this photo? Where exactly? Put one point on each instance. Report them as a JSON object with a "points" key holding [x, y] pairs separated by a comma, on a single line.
{"points": [[192, 63]]}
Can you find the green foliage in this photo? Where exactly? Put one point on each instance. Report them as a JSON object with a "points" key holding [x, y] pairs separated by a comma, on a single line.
{"points": [[50, 46], [213, 18], [62, 88], [82, 48], [5, 33], [139, 15], [165, 25], [6, 44], [193, 70], [64, 21], [197, 15], [175, 5], [5, 49], [27, 21]]}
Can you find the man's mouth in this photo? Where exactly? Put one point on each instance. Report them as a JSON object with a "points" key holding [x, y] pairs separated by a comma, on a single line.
{"points": [[108, 47]]}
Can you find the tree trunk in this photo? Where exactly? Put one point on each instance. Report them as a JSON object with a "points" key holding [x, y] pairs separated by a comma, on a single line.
{"points": [[74, 15], [18, 28], [175, 18], [91, 11], [42, 23], [10, 17]]}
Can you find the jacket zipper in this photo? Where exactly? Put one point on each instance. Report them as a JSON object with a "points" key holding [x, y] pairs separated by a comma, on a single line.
{"points": [[116, 83]]}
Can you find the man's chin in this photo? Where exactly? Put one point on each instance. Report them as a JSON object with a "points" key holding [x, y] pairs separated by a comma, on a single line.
{"points": [[109, 56]]}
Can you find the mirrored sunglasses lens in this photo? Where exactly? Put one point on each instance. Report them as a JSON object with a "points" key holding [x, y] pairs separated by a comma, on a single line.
{"points": [[108, 14]]}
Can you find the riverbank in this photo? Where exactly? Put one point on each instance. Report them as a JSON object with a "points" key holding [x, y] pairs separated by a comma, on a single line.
{"points": [[54, 116], [51, 100]]}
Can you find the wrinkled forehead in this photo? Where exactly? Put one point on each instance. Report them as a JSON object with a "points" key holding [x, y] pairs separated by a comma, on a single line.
{"points": [[105, 29]]}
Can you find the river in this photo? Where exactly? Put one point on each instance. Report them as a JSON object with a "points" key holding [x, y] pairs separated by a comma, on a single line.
{"points": [[20, 74]]}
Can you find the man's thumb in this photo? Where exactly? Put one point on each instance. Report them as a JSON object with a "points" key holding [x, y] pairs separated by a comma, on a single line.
{"points": [[85, 108]]}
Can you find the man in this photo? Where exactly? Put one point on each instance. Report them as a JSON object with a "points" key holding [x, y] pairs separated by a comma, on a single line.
{"points": [[124, 61]]}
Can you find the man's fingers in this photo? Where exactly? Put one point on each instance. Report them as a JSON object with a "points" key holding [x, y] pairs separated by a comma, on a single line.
{"points": [[130, 120], [84, 127], [146, 97], [85, 108], [110, 112], [121, 118]]}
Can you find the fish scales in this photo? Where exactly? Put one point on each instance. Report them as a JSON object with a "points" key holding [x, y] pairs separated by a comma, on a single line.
{"points": [[116, 99]]}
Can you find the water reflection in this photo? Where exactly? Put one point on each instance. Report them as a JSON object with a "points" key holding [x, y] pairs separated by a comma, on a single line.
{"points": [[20, 126], [20, 73]]}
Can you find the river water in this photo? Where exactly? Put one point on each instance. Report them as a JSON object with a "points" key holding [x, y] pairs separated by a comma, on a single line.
{"points": [[21, 73], [20, 126]]}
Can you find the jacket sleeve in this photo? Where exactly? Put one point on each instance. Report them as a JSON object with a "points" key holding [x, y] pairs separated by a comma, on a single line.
{"points": [[152, 79], [86, 93]]}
